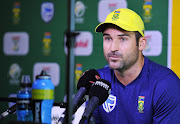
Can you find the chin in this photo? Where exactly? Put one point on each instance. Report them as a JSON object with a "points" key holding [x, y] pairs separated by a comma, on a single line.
{"points": [[115, 66], [112, 66]]}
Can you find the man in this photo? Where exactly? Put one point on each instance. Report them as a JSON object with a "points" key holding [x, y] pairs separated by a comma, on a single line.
{"points": [[142, 91]]}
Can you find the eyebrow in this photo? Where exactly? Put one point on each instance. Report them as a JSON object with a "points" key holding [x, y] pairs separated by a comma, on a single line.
{"points": [[104, 34]]}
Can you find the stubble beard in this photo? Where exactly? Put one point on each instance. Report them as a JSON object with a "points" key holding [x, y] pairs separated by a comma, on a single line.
{"points": [[124, 62]]}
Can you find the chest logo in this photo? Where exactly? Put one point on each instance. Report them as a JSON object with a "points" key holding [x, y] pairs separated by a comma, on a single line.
{"points": [[141, 104], [110, 103]]}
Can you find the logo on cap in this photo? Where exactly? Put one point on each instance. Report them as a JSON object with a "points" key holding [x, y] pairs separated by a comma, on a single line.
{"points": [[117, 11], [116, 15]]}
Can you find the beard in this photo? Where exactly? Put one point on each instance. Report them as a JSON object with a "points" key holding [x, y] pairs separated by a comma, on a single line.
{"points": [[123, 62]]}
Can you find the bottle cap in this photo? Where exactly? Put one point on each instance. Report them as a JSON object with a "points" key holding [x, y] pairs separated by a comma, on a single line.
{"points": [[43, 75], [25, 81]]}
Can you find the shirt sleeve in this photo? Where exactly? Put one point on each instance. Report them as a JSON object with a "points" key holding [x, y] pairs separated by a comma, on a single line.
{"points": [[166, 100]]}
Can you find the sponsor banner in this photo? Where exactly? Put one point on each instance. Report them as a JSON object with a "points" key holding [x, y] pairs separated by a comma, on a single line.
{"points": [[51, 69], [83, 44], [107, 6], [16, 43], [154, 43]]}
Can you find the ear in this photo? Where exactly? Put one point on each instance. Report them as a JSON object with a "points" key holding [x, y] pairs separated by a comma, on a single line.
{"points": [[142, 43]]}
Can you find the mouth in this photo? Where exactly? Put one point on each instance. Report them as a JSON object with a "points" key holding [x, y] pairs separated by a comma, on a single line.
{"points": [[114, 56]]}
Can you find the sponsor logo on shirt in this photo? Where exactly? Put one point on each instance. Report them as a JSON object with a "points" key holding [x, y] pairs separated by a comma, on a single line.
{"points": [[141, 104], [110, 103]]}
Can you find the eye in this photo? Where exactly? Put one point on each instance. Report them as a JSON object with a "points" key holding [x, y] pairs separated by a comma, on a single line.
{"points": [[107, 38], [123, 39]]}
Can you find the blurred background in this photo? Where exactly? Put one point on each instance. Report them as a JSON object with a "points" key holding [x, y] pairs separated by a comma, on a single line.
{"points": [[32, 34]]}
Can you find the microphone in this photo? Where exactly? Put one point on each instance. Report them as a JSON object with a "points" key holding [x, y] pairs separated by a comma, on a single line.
{"points": [[9, 111], [83, 86], [98, 94]]}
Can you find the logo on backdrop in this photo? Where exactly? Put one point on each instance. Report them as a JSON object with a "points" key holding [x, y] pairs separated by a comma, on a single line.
{"points": [[78, 72], [14, 73], [147, 7], [79, 11], [110, 103], [154, 43], [52, 69], [107, 6], [16, 43], [16, 12], [83, 44], [46, 42], [47, 11]]}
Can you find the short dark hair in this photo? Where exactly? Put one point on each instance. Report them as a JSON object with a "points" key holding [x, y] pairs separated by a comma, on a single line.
{"points": [[138, 35]]}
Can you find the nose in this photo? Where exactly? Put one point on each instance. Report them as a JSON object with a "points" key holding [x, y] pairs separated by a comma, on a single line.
{"points": [[114, 46]]}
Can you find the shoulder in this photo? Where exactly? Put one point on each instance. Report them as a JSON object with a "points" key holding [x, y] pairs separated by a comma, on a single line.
{"points": [[161, 74], [166, 84], [157, 71], [166, 91], [162, 79]]}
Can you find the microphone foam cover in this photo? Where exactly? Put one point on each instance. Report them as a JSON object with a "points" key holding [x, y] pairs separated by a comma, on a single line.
{"points": [[87, 79], [101, 89]]}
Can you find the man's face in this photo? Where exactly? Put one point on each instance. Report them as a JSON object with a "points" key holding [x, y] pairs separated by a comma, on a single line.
{"points": [[120, 49]]}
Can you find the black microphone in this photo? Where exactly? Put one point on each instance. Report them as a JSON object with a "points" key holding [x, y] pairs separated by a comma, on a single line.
{"points": [[98, 94], [9, 111], [83, 86]]}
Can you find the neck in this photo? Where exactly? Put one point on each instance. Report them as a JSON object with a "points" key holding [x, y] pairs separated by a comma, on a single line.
{"points": [[130, 74]]}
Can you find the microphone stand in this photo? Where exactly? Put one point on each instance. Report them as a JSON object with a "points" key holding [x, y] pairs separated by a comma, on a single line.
{"points": [[12, 109], [13, 99], [3, 99], [70, 58]]}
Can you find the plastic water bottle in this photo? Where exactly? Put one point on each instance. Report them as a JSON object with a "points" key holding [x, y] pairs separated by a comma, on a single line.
{"points": [[24, 108], [42, 98]]}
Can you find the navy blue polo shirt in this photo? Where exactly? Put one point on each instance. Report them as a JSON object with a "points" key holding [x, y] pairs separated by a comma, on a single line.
{"points": [[153, 97]]}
